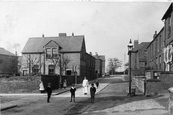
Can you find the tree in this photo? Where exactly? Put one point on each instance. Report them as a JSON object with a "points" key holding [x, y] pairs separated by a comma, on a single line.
{"points": [[113, 65], [65, 62]]}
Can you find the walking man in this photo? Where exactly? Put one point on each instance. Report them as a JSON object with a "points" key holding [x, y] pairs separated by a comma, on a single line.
{"points": [[49, 92], [92, 92], [85, 86]]}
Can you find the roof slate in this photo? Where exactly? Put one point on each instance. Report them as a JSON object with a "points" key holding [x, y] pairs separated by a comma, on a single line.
{"points": [[68, 44], [5, 52]]}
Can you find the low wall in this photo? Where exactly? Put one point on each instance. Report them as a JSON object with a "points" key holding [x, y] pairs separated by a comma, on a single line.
{"points": [[70, 79], [53, 79], [153, 86], [164, 82], [139, 82]]}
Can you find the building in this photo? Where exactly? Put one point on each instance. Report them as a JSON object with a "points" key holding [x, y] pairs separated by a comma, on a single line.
{"points": [[155, 52], [168, 38], [139, 58], [90, 67], [8, 63], [99, 65], [62, 55]]}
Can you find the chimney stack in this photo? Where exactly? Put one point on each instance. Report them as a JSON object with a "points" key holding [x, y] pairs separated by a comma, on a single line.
{"points": [[62, 34], [43, 35], [90, 53], [16, 53], [155, 34], [136, 42]]}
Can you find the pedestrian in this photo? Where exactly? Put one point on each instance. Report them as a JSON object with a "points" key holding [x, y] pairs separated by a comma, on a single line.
{"points": [[92, 93], [85, 86], [61, 84], [97, 84], [65, 84], [72, 91], [41, 87], [49, 92]]}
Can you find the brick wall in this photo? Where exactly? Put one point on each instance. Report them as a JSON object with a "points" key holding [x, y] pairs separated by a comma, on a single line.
{"points": [[153, 86]]}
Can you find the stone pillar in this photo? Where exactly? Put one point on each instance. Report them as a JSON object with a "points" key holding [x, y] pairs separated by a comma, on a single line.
{"points": [[170, 106]]}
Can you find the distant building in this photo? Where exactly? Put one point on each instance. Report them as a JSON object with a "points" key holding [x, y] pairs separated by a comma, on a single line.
{"points": [[8, 62], [44, 55], [100, 64]]}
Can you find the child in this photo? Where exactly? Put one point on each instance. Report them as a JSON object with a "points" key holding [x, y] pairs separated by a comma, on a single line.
{"points": [[97, 84], [72, 90], [49, 92], [65, 84], [92, 92]]}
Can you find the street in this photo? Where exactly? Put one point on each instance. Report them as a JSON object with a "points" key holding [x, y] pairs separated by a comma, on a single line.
{"points": [[111, 98]]}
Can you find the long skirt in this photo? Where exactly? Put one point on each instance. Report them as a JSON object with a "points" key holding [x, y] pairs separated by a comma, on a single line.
{"points": [[85, 89]]}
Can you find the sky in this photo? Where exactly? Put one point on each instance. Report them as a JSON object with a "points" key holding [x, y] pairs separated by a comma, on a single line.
{"points": [[107, 26]]}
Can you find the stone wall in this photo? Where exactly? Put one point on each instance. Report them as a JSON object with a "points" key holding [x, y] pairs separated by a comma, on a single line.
{"points": [[153, 86], [139, 82]]}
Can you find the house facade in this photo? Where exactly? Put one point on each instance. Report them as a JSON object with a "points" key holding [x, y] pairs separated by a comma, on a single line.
{"points": [[62, 55], [139, 58], [168, 38], [155, 53], [8, 63]]}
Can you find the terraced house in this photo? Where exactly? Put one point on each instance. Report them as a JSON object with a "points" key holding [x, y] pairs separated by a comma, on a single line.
{"points": [[62, 55]]}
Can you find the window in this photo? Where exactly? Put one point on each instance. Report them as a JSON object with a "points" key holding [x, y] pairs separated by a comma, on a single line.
{"points": [[35, 69], [169, 26], [142, 64], [48, 53], [160, 62], [51, 69], [54, 53]]}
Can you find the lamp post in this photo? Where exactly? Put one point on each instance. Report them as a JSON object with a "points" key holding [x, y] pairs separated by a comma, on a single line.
{"points": [[130, 47], [60, 67]]}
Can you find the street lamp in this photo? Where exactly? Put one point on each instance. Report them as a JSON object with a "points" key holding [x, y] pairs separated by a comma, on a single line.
{"points": [[130, 48], [60, 68]]}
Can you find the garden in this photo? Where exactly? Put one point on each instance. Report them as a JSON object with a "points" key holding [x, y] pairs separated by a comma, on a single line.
{"points": [[20, 84]]}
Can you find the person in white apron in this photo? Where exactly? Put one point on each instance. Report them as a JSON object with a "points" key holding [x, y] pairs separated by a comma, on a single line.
{"points": [[85, 86], [41, 87]]}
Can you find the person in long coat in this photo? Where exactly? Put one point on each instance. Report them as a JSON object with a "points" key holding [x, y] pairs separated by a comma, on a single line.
{"points": [[92, 93], [85, 86]]}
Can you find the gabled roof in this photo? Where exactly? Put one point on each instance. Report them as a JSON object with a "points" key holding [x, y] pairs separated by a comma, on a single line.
{"points": [[68, 44], [5, 52], [168, 12], [102, 57], [142, 45]]}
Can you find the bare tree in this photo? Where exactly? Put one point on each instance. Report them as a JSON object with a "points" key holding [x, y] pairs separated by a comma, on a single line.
{"points": [[32, 59], [113, 65], [65, 62]]}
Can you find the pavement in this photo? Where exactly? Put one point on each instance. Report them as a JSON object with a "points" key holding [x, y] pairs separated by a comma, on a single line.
{"points": [[15, 103]]}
